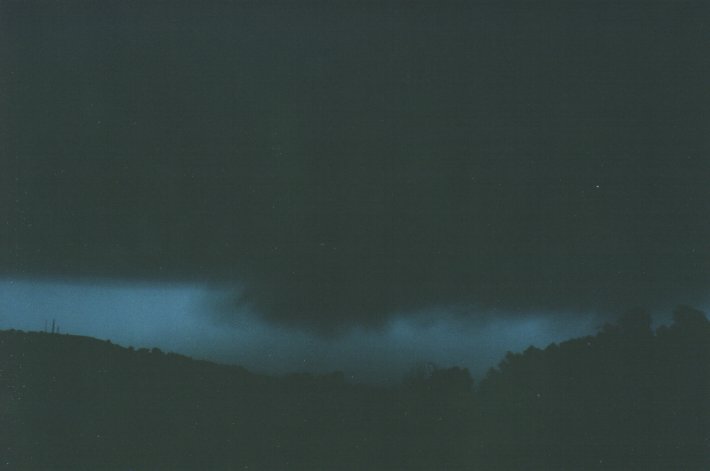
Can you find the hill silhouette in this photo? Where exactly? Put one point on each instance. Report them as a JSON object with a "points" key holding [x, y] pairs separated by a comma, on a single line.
{"points": [[628, 397]]}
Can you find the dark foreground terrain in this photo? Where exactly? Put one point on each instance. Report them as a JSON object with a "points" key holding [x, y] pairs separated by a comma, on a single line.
{"points": [[628, 398]]}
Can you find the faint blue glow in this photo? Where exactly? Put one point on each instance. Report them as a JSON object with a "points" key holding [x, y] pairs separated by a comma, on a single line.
{"points": [[178, 318], [165, 315]]}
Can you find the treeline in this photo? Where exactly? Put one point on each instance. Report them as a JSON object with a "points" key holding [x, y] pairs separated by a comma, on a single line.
{"points": [[627, 398]]}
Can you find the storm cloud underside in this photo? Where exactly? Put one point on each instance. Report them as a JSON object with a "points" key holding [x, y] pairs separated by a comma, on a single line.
{"points": [[345, 164]]}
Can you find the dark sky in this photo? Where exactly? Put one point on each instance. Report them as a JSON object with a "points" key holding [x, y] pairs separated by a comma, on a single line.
{"points": [[346, 162]]}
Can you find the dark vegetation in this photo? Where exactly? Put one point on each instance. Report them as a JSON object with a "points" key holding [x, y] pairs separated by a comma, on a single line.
{"points": [[626, 398]]}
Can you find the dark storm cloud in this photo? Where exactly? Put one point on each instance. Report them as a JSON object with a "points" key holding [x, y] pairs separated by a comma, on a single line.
{"points": [[348, 162]]}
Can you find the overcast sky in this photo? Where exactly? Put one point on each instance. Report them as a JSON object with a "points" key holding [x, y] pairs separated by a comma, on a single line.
{"points": [[350, 167]]}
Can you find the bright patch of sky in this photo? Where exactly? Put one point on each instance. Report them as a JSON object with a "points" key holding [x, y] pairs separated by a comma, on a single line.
{"points": [[180, 318]]}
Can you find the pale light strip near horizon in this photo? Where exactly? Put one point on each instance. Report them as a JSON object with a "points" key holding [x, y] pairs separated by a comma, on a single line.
{"points": [[178, 318]]}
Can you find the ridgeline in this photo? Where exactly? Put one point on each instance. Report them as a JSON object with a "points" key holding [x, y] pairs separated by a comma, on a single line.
{"points": [[628, 398]]}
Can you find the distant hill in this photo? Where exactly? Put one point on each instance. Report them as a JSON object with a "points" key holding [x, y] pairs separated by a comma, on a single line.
{"points": [[627, 398], [73, 402]]}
